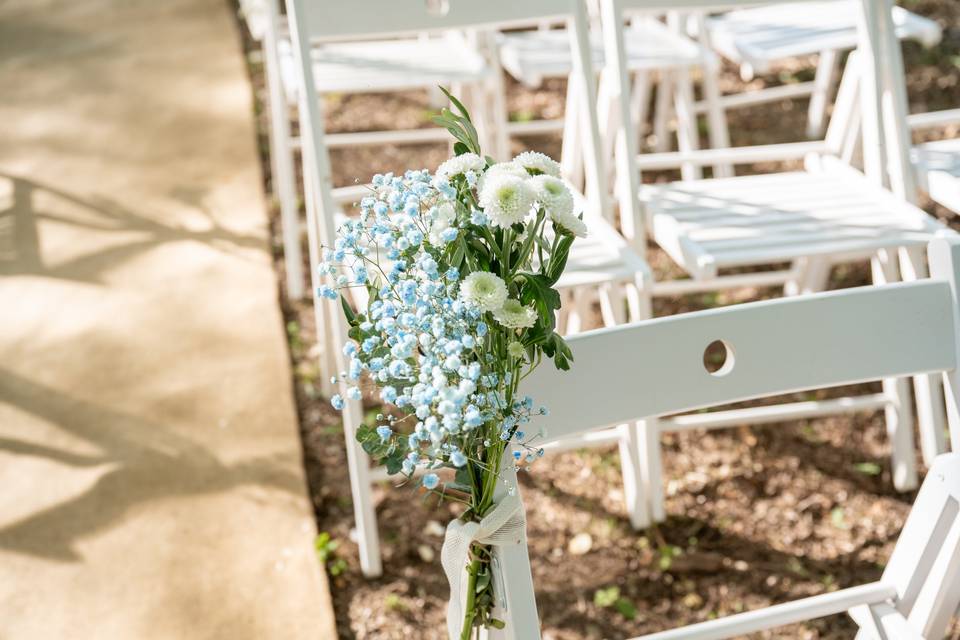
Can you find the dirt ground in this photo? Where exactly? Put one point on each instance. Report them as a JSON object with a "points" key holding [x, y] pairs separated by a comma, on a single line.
{"points": [[756, 515]]}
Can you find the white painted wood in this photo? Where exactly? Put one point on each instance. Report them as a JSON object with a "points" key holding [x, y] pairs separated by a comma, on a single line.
{"points": [[828, 67], [938, 163], [931, 416], [898, 413], [780, 346], [731, 155], [654, 367], [387, 18], [761, 36], [780, 615], [281, 155], [775, 413], [534, 56], [518, 607], [933, 119], [320, 213], [604, 259], [944, 258], [634, 467], [759, 96]]}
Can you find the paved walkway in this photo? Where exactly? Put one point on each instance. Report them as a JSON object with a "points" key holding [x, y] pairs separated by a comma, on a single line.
{"points": [[152, 484]]}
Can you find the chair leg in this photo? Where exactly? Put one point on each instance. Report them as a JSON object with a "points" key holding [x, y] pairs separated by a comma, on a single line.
{"points": [[928, 389], [499, 115], [640, 446], [571, 152], [612, 304], [284, 177], [661, 116], [814, 274], [716, 115], [823, 85], [688, 131], [634, 470], [365, 516], [640, 103], [899, 409]]}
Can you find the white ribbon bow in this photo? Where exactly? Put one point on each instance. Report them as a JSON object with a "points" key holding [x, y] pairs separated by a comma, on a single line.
{"points": [[504, 525]]}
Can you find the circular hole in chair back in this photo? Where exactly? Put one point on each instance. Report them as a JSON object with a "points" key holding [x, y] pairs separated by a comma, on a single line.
{"points": [[718, 358]]}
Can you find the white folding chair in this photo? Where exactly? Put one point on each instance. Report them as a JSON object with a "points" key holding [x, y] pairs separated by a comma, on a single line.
{"points": [[756, 38], [390, 64], [655, 367], [828, 213], [654, 51], [604, 261]]}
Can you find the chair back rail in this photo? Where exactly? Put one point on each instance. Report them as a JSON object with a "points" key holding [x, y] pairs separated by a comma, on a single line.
{"points": [[655, 367], [385, 18]]}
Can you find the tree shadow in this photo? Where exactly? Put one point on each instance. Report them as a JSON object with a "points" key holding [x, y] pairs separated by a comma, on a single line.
{"points": [[22, 214], [148, 461]]}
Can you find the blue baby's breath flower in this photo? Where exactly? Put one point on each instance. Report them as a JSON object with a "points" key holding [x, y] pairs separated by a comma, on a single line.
{"points": [[384, 432], [337, 402], [430, 481], [354, 393], [325, 291], [388, 394], [457, 459]]}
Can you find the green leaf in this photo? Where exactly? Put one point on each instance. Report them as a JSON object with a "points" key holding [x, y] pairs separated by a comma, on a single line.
{"points": [[483, 580], [625, 608], [558, 260], [459, 105], [348, 312], [459, 149], [563, 356]]}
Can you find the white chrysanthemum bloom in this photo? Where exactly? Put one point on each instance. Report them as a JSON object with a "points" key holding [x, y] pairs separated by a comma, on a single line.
{"points": [[484, 290], [506, 199], [442, 220], [536, 163], [501, 168], [570, 223], [461, 164], [553, 194], [514, 315]]}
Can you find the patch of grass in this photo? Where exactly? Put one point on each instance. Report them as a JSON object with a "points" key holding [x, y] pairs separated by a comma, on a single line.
{"points": [[326, 548], [868, 468], [609, 597]]}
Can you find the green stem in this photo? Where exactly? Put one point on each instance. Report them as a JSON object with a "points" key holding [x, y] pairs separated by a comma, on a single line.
{"points": [[469, 613]]}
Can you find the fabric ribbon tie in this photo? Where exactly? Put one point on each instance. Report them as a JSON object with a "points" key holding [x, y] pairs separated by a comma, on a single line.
{"points": [[504, 525]]}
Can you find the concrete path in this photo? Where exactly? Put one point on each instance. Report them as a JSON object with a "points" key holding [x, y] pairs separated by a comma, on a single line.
{"points": [[152, 484]]}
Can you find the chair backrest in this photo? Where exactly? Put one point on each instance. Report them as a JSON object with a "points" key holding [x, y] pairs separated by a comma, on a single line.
{"points": [[882, 101], [310, 21], [656, 367]]}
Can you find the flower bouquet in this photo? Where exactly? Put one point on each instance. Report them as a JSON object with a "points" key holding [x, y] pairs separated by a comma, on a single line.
{"points": [[459, 270]]}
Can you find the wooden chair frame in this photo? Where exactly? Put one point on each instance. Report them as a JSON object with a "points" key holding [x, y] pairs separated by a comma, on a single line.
{"points": [[311, 20], [655, 367]]}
